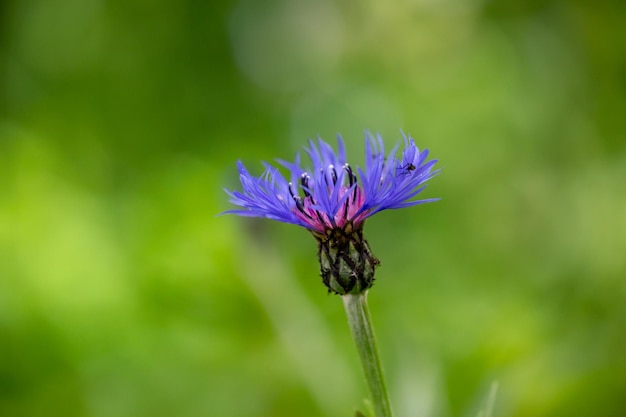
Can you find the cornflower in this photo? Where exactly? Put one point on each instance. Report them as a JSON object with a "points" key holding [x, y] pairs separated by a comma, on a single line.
{"points": [[332, 201]]}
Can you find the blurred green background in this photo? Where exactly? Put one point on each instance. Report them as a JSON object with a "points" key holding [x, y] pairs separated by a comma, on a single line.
{"points": [[123, 294]]}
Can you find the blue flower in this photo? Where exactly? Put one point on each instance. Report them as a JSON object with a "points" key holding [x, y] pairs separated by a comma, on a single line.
{"points": [[331, 195], [333, 201]]}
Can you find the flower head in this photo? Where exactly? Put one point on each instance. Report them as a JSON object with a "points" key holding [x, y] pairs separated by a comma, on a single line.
{"points": [[332, 200], [329, 195]]}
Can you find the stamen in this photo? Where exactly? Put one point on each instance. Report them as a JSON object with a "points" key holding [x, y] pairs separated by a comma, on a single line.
{"points": [[291, 193], [351, 178], [345, 208], [333, 174], [319, 216], [304, 182], [300, 205], [298, 200]]}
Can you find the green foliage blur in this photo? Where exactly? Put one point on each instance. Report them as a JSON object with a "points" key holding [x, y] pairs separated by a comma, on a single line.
{"points": [[122, 293]]}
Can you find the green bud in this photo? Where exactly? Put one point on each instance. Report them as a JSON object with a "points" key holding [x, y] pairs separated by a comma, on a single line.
{"points": [[347, 265]]}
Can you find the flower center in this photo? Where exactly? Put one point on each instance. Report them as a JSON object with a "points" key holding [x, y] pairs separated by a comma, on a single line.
{"points": [[337, 208]]}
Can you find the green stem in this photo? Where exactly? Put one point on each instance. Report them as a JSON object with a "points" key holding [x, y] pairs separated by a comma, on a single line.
{"points": [[365, 340]]}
